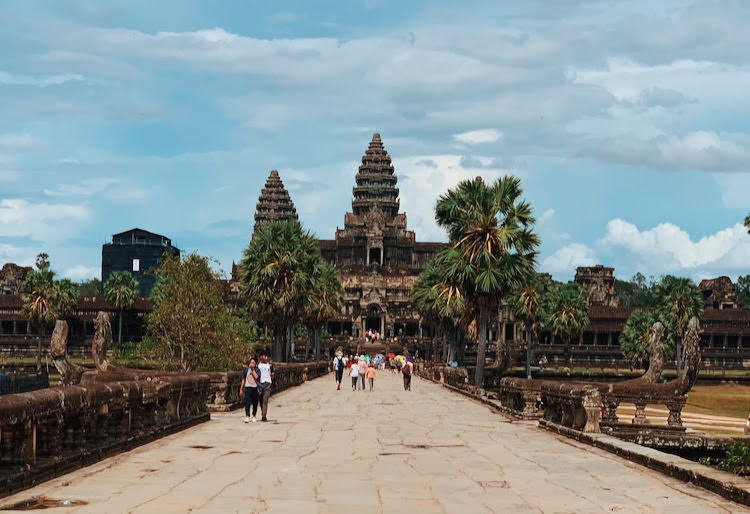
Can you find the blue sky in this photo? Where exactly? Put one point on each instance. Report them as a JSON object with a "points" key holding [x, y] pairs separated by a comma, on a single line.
{"points": [[627, 121]]}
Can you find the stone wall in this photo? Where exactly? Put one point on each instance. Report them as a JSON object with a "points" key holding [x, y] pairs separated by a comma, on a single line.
{"points": [[53, 431]]}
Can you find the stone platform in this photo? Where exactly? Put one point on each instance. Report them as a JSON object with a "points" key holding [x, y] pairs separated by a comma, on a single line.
{"points": [[427, 450]]}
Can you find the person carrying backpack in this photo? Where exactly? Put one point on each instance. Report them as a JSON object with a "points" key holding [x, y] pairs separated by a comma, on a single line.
{"points": [[406, 370], [339, 365]]}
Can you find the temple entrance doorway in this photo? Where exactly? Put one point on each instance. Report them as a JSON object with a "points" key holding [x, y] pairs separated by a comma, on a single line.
{"points": [[373, 323], [374, 256]]}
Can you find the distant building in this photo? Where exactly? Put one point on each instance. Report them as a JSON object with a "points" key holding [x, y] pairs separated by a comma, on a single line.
{"points": [[139, 252], [12, 277], [718, 293], [599, 283]]}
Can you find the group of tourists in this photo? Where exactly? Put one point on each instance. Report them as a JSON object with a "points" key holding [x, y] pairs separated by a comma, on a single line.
{"points": [[372, 335], [255, 387], [363, 368]]}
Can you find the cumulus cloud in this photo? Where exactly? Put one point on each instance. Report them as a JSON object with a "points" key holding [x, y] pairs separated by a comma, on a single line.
{"points": [[668, 247], [39, 221], [81, 272], [423, 178], [567, 258], [477, 137]]}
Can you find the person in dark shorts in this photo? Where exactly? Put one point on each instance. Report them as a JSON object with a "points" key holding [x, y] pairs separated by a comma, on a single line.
{"points": [[249, 389], [339, 365], [406, 371]]}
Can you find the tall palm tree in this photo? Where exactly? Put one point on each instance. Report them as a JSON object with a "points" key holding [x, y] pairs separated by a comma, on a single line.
{"points": [[529, 310], [47, 299], [325, 301], [277, 274], [121, 291], [567, 308], [492, 231], [438, 297], [679, 299]]}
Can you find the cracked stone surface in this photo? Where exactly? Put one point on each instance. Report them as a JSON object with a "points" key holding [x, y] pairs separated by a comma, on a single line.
{"points": [[428, 450]]}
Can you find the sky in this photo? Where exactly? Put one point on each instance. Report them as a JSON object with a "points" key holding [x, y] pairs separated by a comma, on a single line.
{"points": [[627, 122]]}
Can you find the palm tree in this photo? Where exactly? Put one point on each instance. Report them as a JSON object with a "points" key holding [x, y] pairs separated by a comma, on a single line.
{"points": [[277, 274], [438, 297], [567, 308], [121, 291], [324, 302], [679, 299], [491, 231], [528, 308], [47, 299], [747, 223]]}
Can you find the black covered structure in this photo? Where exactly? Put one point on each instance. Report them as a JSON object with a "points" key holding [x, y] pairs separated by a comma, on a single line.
{"points": [[139, 252]]}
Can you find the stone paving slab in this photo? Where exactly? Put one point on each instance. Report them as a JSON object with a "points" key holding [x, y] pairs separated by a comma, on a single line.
{"points": [[328, 451]]}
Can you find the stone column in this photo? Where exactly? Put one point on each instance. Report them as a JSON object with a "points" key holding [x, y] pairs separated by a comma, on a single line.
{"points": [[640, 414]]}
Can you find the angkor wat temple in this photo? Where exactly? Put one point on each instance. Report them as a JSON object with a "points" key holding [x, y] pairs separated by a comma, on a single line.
{"points": [[380, 259], [377, 255]]}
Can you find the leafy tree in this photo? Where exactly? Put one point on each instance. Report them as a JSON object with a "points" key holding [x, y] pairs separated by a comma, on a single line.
{"points": [[747, 223], [190, 320], [528, 307], [638, 292], [121, 291], [492, 231], [277, 274], [92, 287], [635, 340], [567, 307], [742, 288]]}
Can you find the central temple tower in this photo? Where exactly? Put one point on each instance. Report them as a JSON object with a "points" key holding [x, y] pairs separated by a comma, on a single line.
{"points": [[377, 255]]}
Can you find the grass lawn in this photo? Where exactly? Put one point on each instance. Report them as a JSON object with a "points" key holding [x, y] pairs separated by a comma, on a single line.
{"points": [[729, 400]]}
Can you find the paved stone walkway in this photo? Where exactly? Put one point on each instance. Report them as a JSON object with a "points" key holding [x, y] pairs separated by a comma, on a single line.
{"points": [[429, 450]]}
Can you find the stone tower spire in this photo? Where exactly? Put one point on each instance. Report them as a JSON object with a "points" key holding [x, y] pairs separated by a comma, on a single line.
{"points": [[376, 182], [274, 203]]}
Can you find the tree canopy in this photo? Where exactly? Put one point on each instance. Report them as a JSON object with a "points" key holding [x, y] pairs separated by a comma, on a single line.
{"points": [[190, 321], [285, 280], [47, 299], [566, 306], [491, 231], [121, 291]]}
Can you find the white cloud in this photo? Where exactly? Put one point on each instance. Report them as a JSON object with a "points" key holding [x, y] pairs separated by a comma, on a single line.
{"points": [[16, 141], [39, 221], [81, 272], [44, 81], [478, 137], [567, 258], [422, 178], [702, 151], [112, 188], [667, 247]]}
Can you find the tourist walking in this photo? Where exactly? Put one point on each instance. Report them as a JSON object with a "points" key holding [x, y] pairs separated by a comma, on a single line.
{"points": [[354, 373], [371, 376], [249, 389], [406, 370], [362, 372], [339, 365], [265, 372]]}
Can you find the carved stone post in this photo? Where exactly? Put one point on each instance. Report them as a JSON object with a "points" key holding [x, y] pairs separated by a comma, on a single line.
{"points": [[592, 404], [675, 414], [610, 408], [640, 414], [530, 401]]}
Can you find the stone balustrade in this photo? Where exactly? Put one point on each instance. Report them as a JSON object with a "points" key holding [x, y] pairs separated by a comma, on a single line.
{"points": [[573, 405], [56, 423], [443, 374], [521, 397]]}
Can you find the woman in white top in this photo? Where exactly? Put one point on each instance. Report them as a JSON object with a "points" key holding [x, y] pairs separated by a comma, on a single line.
{"points": [[354, 373], [265, 371]]}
